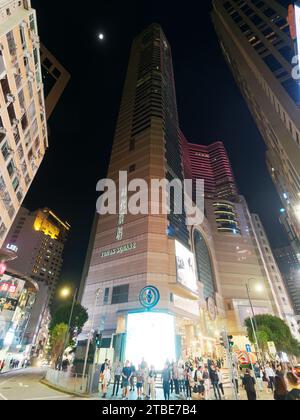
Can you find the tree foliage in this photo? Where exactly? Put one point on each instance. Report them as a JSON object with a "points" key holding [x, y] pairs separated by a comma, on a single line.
{"points": [[62, 316], [58, 336], [272, 328]]}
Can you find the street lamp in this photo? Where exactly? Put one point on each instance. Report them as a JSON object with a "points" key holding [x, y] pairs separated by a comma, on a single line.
{"points": [[65, 293], [259, 289], [98, 294]]}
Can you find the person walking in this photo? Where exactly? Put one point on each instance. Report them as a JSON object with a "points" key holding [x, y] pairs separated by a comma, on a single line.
{"points": [[221, 381], [206, 383], [214, 378], [235, 378], [126, 375], [117, 379], [270, 374], [280, 391], [188, 388], [175, 379], [151, 384], [106, 376], [293, 386], [166, 379], [258, 373], [249, 385], [132, 378], [181, 379], [139, 382]]}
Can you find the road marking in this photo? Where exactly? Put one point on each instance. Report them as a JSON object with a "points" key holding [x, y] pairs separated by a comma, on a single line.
{"points": [[58, 397], [3, 398]]}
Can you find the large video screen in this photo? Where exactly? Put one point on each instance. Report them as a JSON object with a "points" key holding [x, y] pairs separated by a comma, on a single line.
{"points": [[186, 271], [150, 336]]}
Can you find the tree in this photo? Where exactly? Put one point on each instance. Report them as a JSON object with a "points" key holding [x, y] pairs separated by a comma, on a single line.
{"points": [[272, 328], [58, 337], [62, 316]]}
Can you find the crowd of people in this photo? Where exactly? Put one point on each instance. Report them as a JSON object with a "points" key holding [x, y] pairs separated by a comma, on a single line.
{"points": [[278, 378], [197, 379], [179, 379], [13, 364]]}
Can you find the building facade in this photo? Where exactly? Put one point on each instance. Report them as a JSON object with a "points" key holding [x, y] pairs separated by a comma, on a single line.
{"points": [[23, 128], [256, 41], [243, 253], [132, 252], [55, 79], [38, 239], [289, 266], [18, 295], [212, 164]]}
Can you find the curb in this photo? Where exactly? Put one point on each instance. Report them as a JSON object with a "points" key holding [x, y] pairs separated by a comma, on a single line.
{"points": [[63, 390]]}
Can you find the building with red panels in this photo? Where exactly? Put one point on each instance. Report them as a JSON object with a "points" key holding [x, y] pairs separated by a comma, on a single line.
{"points": [[210, 163]]}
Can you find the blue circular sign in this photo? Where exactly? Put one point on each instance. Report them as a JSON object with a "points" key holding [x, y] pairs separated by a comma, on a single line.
{"points": [[149, 297]]}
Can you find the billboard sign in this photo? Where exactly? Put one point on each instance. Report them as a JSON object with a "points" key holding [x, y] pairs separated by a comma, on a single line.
{"points": [[185, 264]]}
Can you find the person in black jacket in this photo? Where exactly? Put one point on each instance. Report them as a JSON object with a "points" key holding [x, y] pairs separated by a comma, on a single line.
{"points": [[249, 385], [294, 387], [214, 377], [280, 385]]}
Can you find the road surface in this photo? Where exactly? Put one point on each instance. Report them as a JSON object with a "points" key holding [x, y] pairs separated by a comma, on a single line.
{"points": [[25, 385]]}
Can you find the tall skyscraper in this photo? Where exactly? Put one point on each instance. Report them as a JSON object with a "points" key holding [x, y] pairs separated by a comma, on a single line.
{"points": [[289, 266], [212, 164], [256, 41], [23, 128], [38, 238], [131, 252]]}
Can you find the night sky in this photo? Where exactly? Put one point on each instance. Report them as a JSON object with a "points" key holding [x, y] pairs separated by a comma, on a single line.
{"points": [[209, 103]]}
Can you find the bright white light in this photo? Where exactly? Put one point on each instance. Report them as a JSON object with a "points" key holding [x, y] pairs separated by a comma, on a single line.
{"points": [[259, 288], [297, 212], [101, 37], [9, 338], [186, 271], [150, 336]]}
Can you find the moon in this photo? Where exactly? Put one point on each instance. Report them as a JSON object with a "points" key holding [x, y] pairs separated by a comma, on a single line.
{"points": [[101, 37]]}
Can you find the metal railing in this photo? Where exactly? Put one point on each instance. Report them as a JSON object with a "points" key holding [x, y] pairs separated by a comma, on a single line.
{"points": [[68, 381]]}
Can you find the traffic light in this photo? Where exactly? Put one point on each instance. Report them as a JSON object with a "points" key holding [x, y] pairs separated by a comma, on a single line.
{"points": [[98, 340], [230, 342]]}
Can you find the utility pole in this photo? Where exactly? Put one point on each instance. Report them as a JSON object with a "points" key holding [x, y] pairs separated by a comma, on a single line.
{"points": [[226, 344]]}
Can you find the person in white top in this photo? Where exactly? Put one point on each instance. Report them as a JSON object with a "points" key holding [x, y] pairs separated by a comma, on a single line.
{"points": [[221, 381], [270, 375], [105, 380]]}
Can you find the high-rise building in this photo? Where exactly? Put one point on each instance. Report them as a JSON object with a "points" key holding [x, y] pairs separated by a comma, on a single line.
{"points": [[289, 266], [243, 253], [256, 41], [23, 128], [131, 252], [38, 238], [55, 79], [210, 163]]}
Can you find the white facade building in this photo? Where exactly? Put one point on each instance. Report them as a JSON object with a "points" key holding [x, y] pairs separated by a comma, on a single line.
{"points": [[23, 128]]}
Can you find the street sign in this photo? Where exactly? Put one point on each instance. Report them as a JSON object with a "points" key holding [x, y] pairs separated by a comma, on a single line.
{"points": [[272, 348], [248, 348]]}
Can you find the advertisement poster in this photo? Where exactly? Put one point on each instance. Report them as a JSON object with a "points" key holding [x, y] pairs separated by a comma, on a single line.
{"points": [[186, 270]]}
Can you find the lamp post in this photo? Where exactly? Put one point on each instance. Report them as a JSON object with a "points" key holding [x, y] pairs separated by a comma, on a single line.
{"points": [[98, 293], [253, 319], [66, 293]]}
